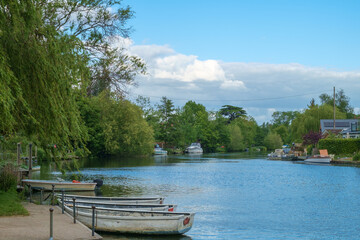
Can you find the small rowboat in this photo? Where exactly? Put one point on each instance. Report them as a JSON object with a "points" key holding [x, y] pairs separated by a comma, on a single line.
{"points": [[124, 200], [58, 186], [110, 204], [135, 221]]}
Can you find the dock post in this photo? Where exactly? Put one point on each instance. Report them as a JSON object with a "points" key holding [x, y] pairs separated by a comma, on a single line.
{"points": [[53, 193], [74, 215], [62, 201], [93, 221], [51, 223], [30, 156]]}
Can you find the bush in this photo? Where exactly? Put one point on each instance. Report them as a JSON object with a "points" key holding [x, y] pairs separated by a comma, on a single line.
{"points": [[356, 157], [340, 146], [8, 179]]}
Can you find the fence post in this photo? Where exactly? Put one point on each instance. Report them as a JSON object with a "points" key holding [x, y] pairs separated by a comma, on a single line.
{"points": [[62, 200], [74, 215], [30, 189], [30, 156], [41, 195], [18, 153], [93, 220], [53, 193], [51, 223]]}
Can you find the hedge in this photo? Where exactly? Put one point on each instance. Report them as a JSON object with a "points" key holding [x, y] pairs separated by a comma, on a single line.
{"points": [[340, 146]]}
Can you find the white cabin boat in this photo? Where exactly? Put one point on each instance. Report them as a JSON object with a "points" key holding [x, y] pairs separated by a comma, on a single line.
{"points": [[134, 221], [159, 151], [59, 186], [194, 148]]}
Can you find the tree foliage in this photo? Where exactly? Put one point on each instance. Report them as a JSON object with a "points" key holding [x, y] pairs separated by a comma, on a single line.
{"points": [[232, 112], [43, 66], [342, 102], [273, 141]]}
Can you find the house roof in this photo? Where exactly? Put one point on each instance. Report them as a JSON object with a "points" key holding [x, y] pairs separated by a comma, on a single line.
{"points": [[341, 124]]}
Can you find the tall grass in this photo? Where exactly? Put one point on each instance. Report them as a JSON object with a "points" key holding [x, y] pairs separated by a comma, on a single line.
{"points": [[8, 178]]}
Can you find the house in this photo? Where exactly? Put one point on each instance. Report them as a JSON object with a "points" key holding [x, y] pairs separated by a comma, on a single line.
{"points": [[347, 128]]}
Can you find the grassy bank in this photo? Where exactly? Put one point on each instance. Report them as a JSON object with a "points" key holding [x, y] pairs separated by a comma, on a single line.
{"points": [[10, 204]]}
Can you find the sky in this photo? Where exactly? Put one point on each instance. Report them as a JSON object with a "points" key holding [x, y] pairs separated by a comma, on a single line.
{"points": [[264, 56]]}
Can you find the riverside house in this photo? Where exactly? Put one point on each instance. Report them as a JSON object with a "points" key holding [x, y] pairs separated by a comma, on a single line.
{"points": [[347, 128]]}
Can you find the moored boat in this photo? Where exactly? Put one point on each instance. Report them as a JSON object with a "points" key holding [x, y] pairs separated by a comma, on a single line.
{"points": [[159, 151], [112, 205], [318, 159], [323, 157], [194, 148], [135, 221], [130, 200], [59, 186]]}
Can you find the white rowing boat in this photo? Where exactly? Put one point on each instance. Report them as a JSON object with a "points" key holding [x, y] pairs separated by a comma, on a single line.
{"points": [[127, 206], [125, 200], [135, 221], [58, 186]]}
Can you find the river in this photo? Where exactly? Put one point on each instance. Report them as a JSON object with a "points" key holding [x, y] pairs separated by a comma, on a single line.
{"points": [[240, 196]]}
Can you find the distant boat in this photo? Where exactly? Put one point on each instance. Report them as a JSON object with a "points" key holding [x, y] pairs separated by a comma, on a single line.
{"points": [[135, 221], [159, 151], [59, 186], [127, 200], [323, 157], [194, 148]]}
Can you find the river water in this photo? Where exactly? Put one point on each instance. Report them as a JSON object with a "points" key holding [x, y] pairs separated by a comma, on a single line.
{"points": [[240, 196]]}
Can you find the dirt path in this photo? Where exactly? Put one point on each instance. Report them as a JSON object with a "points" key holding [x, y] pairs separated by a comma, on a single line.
{"points": [[37, 225]]}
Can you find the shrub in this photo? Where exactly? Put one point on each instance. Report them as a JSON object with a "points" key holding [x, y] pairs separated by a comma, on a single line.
{"points": [[8, 179], [356, 156], [340, 146]]}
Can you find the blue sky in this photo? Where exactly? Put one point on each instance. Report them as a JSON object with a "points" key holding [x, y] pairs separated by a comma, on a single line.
{"points": [[247, 50]]}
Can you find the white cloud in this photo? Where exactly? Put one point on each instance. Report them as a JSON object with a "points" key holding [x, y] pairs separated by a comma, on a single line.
{"points": [[259, 87]]}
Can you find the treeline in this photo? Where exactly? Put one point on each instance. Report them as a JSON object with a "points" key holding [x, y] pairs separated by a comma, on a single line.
{"points": [[231, 129]]}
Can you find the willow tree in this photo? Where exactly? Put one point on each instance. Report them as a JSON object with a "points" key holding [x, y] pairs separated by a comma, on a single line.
{"points": [[41, 73], [309, 120]]}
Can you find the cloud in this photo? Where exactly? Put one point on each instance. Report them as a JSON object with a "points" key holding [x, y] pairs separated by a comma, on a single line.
{"points": [[258, 87]]}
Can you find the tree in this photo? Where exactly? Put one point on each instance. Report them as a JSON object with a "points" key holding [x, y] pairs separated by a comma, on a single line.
{"points": [[236, 138], [283, 118], [43, 69], [342, 102], [166, 117], [311, 138], [309, 120], [232, 112], [273, 141], [124, 130], [96, 25]]}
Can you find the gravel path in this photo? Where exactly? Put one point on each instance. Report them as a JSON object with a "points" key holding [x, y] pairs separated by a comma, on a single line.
{"points": [[37, 225]]}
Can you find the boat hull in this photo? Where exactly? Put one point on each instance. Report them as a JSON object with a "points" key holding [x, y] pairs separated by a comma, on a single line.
{"points": [[318, 160], [59, 186], [124, 206], [138, 222], [123, 200]]}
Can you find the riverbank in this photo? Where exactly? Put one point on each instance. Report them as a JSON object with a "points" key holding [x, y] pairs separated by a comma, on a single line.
{"points": [[36, 226]]}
